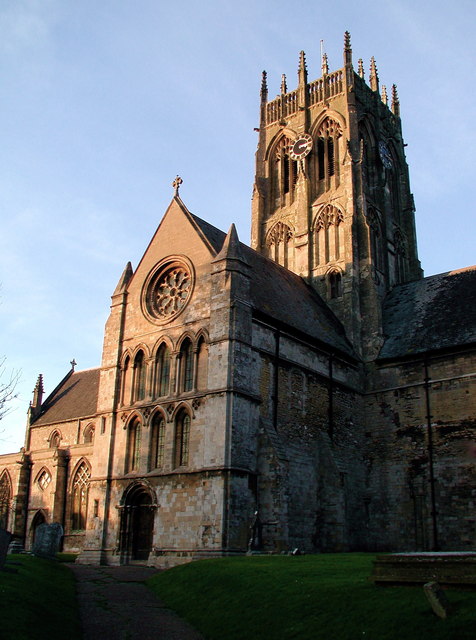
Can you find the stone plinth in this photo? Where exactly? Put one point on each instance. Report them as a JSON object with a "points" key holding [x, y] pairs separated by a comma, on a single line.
{"points": [[456, 568]]}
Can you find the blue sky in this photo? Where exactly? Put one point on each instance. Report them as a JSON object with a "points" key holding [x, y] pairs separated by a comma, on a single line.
{"points": [[103, 103]]}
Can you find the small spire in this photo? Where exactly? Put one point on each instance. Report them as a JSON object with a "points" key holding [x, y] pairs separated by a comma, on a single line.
{"points": [[73, 363], [347, 49], [124, 279], [176, 184], [373, 75], [264, 87], [302, 71], [361, 71], [384, 94], [324, 64], [38, 393], [284, 86], [231, 249], [395, 101]]}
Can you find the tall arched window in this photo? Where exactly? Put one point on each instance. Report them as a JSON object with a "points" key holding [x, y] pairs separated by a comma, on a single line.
{"points": [[400, 253], [126, 381], [140, 371], [279, 243], [182, 439], [80, 497], [202, 364], [5, 499], [335, 284], [283, 173], [186, 366], [328, 151], [162, 371], [329, 235], [157, 453], [133, 446], [375, 239]]}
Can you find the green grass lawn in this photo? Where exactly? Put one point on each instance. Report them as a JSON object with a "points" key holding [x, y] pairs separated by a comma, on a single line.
{"points": [[39, 601], [314, 597]]}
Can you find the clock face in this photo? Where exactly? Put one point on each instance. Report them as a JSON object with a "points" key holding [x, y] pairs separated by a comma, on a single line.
{"points": [[300, 147], [385, 155]]}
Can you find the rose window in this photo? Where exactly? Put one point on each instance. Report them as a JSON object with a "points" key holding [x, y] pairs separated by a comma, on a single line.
{"points": [[168, 291]]}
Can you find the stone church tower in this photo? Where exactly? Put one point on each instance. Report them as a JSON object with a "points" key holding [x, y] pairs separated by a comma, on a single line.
{"points": [[332, 198]]}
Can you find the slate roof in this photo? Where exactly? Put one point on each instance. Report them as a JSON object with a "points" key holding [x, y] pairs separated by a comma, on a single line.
{"points": [[76, 396], [284, 296], [437, 312]]}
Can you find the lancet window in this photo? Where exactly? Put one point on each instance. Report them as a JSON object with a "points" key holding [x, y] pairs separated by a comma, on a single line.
{"points": [[400, 254], [80, 497], [279, 243], [328, 151], [133, 446], [335, 284], [328, 236], [283, 173], [157, 442], [186, 366], [140, 372], [5, 499], [55, 440], [182, 439], [375, 238], [162, 371]]}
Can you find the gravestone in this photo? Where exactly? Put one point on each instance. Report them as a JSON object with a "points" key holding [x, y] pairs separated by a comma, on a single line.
{"points": [[47, 540], [5, 537], [437, 598]]}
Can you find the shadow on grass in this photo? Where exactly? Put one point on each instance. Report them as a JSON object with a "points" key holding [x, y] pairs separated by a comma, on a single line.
{"points": [[307, 597]]}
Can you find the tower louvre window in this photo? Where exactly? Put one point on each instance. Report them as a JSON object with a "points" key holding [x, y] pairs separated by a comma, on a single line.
{"points": [[283, 172], [328, 236], [327, 151], [279, 243]]}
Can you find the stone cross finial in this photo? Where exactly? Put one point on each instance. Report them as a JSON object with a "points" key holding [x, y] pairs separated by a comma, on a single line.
{"points": [[176, 184], [73, 363]]}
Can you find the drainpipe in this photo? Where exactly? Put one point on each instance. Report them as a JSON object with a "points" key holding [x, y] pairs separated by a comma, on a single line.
{"points": [[276, 379], [428, 416], [331, 397]]}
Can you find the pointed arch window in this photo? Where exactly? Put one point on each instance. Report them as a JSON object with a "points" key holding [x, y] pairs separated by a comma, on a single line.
{"points": [[140, 372], [80, 497], [88, 436], [328, 150], [376, 256], [5, 499], [335, 284], [279, 244], [55, 440], [162, 370], [126, 381], [284, 172], [133, 446], [186, 366], [182, 439], [400, 254], [157, 454], [329, 236]]}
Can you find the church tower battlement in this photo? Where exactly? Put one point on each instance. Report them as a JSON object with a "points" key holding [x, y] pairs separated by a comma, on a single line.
{"points": [[331, 199]]}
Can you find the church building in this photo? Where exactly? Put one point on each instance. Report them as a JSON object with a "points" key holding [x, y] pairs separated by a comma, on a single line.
{"points": [[312, 391]]}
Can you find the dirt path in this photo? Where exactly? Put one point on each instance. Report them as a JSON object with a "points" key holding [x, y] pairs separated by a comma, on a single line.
{"points": [[114, 604]]}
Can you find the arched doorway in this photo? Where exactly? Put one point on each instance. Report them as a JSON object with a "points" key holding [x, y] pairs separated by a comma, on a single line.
{"points": [[137, 525]]}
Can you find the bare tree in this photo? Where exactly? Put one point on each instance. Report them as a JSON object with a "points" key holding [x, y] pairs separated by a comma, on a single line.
{"points": [[8, 383]]}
